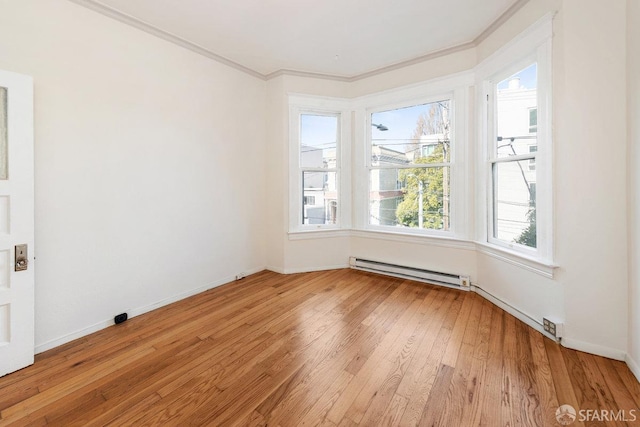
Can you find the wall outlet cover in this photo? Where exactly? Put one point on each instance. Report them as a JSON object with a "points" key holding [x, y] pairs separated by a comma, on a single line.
{"points": [[120, 318]]}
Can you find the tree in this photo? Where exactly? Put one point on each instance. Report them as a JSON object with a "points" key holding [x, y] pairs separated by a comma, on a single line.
{"points": [[528, 235], [433, 122], [407, 212]]}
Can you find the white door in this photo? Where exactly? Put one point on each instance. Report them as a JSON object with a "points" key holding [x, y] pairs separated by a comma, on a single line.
{"points": [[16, 222]]}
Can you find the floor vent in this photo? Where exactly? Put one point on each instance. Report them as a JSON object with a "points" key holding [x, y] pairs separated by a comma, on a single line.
{"points": [[429, 276]]}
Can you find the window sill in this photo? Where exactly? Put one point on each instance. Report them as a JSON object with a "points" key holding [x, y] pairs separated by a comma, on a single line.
{"points": [[324, 233], [535, 265]]}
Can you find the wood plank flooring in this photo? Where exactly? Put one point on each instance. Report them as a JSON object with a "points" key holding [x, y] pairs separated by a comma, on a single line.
{"points": [[336, 348]]}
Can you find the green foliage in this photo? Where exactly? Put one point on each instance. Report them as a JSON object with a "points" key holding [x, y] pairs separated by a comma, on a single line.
{"points": [[528, 235], [434, 121], [432, 179]]}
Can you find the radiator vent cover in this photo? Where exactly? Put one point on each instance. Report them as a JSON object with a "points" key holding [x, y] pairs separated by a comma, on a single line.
{"points": [[413, 273]]}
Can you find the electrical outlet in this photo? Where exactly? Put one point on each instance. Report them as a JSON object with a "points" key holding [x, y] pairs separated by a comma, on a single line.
{"points": [[120, 318], [552, 327], [465, 281]]}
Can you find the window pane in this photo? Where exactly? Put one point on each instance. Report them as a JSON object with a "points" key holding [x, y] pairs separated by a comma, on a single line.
{"points": [[397, 194], [319, 199], [318, 141], [516, 113], [515, 203], [385, 195], [3, 133], [417, 134]]}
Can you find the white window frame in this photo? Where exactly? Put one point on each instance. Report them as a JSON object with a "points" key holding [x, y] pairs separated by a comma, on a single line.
{"points": [[333, 107], [533, 45], [369, 166], [454, 87]]}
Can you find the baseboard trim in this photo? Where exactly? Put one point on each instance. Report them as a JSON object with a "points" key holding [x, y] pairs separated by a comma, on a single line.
{"points": [[596, 349], [573, 344], [278, 270], [40, 348], [634, 367], [309, 270], [513, 311], [133, 312]]}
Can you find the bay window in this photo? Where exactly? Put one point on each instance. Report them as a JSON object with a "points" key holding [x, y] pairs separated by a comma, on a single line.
{"points": [[407, 159]]}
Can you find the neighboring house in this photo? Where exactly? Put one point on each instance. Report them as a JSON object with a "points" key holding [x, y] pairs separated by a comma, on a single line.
{"points": [[319, 205], [387, 190], [427, 146], [516, 135], [384, 186]]}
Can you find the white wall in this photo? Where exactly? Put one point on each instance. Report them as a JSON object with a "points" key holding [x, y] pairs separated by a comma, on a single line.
{"points": [[590, 173], [149, 166], [277, 173], [633, 117], [429, 256]]}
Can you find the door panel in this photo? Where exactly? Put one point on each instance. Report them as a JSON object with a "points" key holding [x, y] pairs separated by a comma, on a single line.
{"points": [[16, 221]]}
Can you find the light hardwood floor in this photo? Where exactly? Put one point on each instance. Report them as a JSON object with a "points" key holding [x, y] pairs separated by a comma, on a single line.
{"points": [[337, 348]]}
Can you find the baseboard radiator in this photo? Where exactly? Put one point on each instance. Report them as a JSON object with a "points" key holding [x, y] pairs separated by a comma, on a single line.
{"points": [[413, 273]]}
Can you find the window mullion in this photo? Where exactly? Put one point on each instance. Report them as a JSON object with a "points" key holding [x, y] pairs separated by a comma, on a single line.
{"points": [[517, 158], [414, 166]]}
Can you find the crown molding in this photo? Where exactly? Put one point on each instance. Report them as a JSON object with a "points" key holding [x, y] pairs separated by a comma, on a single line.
{"points": [[285, 72], [377, 71], [498, 22], [105, 10], [155, 31], [414, 61]]}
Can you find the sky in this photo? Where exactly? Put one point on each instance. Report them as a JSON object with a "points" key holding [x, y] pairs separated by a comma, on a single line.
{"points": [[528, 78], [401, 123], [318, 131]]}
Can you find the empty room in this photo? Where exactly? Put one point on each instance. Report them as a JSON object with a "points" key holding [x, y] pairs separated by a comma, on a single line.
{"points": [[338, 213]]}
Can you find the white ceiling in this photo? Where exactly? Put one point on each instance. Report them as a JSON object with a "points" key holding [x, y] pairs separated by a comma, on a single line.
{"points": [[344, 38]]}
